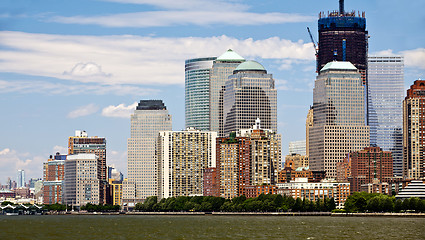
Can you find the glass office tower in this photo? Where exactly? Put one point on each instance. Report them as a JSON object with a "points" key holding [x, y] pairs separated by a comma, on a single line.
{"points": [[386, 86]]}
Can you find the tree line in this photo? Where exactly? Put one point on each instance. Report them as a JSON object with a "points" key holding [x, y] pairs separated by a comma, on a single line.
{"points": [[88, 207], [262, 203], [375, 202]]}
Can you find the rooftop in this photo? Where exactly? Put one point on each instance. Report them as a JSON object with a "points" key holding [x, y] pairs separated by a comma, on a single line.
{"points": [[336, 65], [231, 56], [250, 66]]}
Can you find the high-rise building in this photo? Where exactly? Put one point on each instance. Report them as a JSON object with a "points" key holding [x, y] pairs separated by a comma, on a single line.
{"points": [[413, 131], [308, 126], [386, 86], [149, 118], [369, 164], [53, 176], [222, 68], [197, 88], [339, 119], [20, 178], [343, 37], [249, 94], [81, 182], [297, 147], [182, 158], [82, 143]]}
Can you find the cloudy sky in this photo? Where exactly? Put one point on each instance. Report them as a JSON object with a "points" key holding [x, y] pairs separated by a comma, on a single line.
{"points": [[83, 64]]}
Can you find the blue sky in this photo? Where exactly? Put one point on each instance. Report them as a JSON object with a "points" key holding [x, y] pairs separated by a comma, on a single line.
{"points": [[82, 64]]}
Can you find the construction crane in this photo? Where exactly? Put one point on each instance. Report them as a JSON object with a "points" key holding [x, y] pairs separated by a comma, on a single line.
{"points": [[312, 40]]}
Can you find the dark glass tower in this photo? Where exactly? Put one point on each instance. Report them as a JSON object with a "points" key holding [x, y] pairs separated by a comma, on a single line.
{"points": [[343, 37]]}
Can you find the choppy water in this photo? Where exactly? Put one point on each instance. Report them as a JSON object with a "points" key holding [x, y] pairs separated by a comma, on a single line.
{"points": [[209, 227]]}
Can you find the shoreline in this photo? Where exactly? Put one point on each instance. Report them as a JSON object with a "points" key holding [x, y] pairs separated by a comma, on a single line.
{"points": [[329, 214]]}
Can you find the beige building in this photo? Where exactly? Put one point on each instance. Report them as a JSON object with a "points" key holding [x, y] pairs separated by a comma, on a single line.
{"points": [[228, 152], [308, 126], [339, 120], [295, 161], [182, 158], [81, 179]]}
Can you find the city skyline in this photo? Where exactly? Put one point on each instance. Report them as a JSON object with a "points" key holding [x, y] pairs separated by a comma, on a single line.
{"points": [[66, 68]]}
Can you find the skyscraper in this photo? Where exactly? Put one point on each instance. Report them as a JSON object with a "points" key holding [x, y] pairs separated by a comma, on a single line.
{"points": [[20, 178], [182, 158], [413, 131], [82, 143], [222, 68], [149, 118], [343, 37], [197, 88], [386, 86], [250, 93], [297, 147], [338, 121]]}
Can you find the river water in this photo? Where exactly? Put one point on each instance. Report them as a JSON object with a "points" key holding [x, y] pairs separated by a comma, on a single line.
{"points": [[209, 227]]}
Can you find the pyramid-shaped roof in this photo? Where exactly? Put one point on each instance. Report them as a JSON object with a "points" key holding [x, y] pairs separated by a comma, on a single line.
{"points": [[336, 65], [230, 56]]}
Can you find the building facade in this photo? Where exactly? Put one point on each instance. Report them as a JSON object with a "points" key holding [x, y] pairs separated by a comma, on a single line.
{"points": [[339, 119], [197, 92], [53, 176], [249, 94], [413, 131], [297, 147], [369, 164], [20, 178], [149, 118], [183, 157], [81, 181], [386, 86]]}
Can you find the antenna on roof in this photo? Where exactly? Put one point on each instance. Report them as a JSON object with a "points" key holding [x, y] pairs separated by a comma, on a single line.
{"points": [[341, 7]]}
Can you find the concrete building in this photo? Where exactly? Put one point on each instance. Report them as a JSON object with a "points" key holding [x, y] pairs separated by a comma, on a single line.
{"points": [[20, 178], [308, 125], [296, 161], [413, 127], [339, 119], [249, 94], [415, 189], [301, 188], [53, 176], [297, 147], [221, 69], [197, 92], [82, 143], [182, 158], [81, 182], [149, 118], [369, 164], [116, 191], [386, 86]]}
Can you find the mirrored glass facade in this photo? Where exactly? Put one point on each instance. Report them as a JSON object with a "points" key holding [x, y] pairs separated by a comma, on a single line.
{"points": [[386, 86]]}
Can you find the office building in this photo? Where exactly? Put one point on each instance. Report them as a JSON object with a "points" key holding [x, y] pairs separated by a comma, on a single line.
{"points": [[53, 176], [149, 118], [249, 94], [82, 143], [297, 147], [197, 88], [115, 191], [413, 131], [81, 181], [20, 178], [368, 165], [182, 158], [308, 126], [339, 119], [221, 69], [386, 86]]}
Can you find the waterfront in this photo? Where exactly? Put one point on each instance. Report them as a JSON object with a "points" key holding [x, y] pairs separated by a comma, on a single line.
{"points": [[209, 227]]}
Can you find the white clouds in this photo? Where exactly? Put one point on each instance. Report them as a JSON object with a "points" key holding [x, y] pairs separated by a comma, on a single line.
{"points": [[83, 111], [174, 18], [11, 161], [87, 70], [120, 111], [130, 59], [187, 4], [414, 58], [60, 149]]}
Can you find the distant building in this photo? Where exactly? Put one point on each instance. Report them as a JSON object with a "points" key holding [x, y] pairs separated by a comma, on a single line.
{"points": [[308, 125], [413, 137], [197, 92], [81, 182], [415, 189], [114, 174], [386, 86], [369, 164], [376, 187], [297, 147], [249, 94], [82, 143], [53, 176], [295, 161], [149, 118], [339, 117], [116, 191], [182, 158], [20, 178], [343, 169]]}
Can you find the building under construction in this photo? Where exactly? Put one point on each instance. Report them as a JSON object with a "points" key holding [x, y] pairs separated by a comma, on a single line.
{"points": [[343, 37]]}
